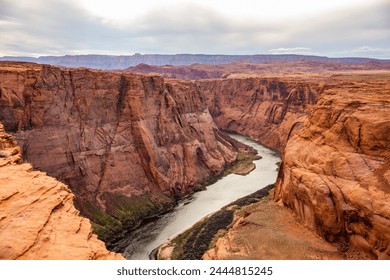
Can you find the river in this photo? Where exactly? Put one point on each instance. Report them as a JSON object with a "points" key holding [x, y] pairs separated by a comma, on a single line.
{"points": [[189, 211]]}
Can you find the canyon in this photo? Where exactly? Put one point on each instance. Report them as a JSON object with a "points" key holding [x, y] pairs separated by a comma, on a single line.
{"points": [[269, 111], [127, 145], [130, 145]]}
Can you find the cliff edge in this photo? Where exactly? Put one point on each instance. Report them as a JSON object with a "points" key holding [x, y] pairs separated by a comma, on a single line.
{"points": [[37, 217]]}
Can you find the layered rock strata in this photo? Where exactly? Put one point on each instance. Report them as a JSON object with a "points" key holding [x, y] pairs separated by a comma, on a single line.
{"points": [[37, 217], [335, 174], [267, 110], [127, 145]]}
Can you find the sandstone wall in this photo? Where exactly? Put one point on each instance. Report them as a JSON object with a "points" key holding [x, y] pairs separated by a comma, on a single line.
{"points": [[37, 217], [336, 171], [335, 174], [268, 110]]}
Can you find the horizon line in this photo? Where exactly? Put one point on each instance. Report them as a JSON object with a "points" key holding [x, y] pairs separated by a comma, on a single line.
{"points": [[191, 54]]}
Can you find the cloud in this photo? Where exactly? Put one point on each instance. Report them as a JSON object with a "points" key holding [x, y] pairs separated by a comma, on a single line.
{"points": [[295, 50], [370, 49], [60, 27], [365, 51], [51, 27]]}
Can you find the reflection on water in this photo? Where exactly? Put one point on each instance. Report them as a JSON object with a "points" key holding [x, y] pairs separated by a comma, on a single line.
{"points": [[188, 212]]}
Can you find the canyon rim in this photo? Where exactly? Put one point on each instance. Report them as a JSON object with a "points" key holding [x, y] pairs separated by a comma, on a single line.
{"points": [[123, 146]]}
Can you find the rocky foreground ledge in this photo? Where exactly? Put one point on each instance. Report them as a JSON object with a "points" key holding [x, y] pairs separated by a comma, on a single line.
{"points": [[37, 217]]}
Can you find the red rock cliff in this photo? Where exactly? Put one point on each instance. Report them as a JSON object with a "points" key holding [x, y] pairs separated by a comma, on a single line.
{"points": [[268, 110], [126, 144], [335, 175], [37, 216]]}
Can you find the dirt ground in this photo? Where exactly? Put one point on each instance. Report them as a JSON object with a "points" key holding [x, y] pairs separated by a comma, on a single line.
{"points": [[266, 230]]}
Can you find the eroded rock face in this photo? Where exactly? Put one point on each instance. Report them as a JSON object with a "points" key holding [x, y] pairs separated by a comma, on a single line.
{"points": [[37, 217], [335, 174], [268, 110], [126, 144]]}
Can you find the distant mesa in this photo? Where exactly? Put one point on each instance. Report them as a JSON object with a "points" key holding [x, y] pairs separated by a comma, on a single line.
{"points": [[111, 62]]}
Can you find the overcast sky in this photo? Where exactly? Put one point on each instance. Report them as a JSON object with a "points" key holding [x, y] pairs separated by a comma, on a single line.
{"points": [[325, 27]]}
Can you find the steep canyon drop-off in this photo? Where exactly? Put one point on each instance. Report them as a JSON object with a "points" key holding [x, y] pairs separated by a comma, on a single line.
{"points": [[334, 134], [127, 145]]}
